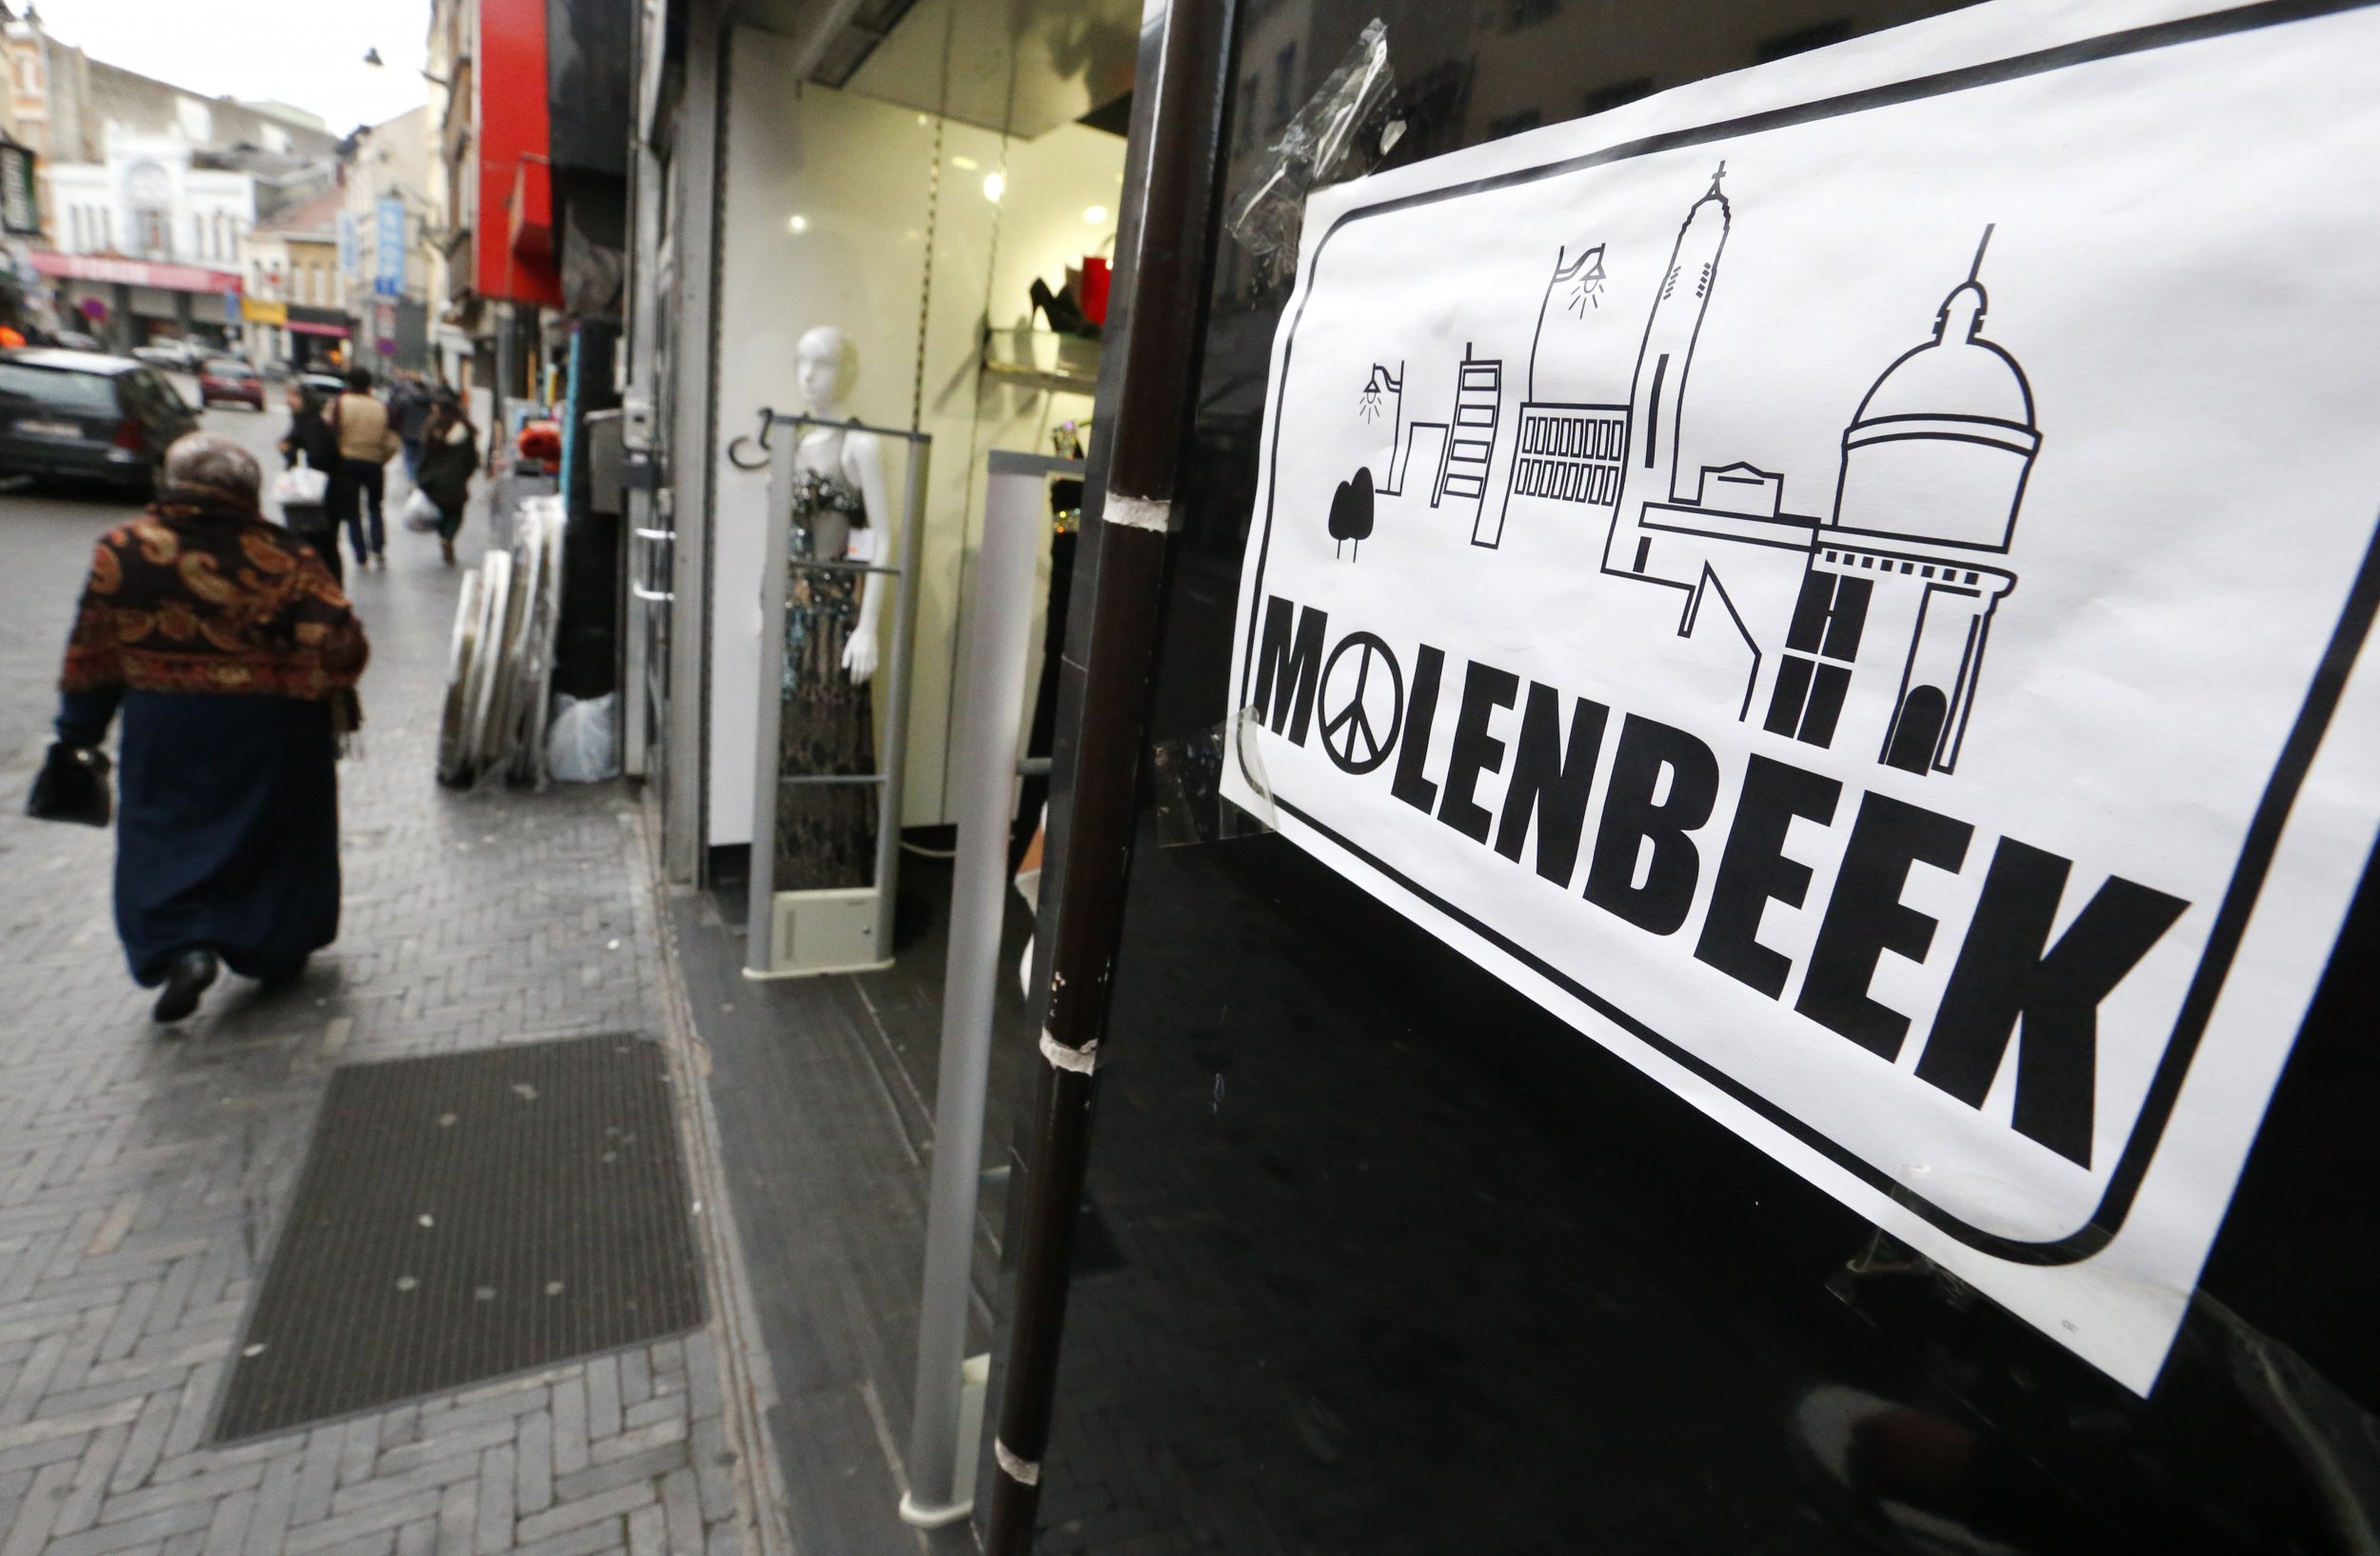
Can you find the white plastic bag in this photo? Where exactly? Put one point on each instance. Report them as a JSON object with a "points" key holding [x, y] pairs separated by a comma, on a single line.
{"points": [[301, 486], [578, 743], [419, 513]]}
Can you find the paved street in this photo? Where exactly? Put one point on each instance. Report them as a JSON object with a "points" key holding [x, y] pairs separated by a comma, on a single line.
{"points": [[142, 1178]]}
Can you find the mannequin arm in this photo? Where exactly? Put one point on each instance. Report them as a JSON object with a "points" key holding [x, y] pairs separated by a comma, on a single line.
{"points": [[863, 466]]}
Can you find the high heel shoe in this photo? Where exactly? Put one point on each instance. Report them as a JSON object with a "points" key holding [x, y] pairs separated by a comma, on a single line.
{"points": [[1064, 314]]}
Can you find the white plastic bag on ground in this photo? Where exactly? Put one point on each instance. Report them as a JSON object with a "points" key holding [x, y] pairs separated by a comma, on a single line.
{"points": [[419, 513], [578, 743]]}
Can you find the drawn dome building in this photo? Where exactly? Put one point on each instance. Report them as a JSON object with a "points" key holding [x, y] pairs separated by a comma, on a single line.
{"points": [[1941, 446]]}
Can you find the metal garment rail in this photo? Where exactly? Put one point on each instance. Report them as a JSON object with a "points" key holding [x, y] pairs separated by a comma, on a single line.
{"points": [[1145, 402], [760, 953]]}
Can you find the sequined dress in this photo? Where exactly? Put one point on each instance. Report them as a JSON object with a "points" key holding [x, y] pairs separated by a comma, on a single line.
{"points": [[826, 832]]}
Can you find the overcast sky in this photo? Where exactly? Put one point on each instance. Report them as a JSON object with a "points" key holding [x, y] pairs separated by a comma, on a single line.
{"points": [[307, 53]]}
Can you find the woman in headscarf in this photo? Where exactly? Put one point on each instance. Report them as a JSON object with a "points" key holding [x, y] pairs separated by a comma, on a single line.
{"points": [[449, 454], [310, 438], [233, 657]]}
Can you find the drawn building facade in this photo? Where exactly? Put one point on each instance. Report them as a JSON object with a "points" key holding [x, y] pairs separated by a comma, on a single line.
{"points": [[1862, 629]]}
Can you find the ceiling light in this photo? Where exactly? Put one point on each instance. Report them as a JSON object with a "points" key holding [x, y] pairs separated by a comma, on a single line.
{"points": [[1096, 215], [797, 224], [969, 163], [994, 187]]}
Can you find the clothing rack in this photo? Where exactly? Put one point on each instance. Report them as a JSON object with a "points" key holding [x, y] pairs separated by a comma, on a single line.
{"points": [[792, 934]]}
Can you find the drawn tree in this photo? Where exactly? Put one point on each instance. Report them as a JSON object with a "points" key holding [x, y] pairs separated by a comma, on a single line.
{"points": [[1351, 512]]}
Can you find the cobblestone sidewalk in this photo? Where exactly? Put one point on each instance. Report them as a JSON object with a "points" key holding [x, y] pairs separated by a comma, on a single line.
{"points": [[142, 1178]]}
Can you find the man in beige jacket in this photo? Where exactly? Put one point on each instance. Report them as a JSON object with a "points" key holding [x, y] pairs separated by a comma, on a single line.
{"points": [[365, 444]]}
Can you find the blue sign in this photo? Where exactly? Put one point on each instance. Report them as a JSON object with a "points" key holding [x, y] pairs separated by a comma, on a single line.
{"points": [[388, 249]]}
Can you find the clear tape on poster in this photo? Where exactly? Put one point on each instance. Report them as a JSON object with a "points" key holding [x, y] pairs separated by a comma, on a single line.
{"points": [[1341, 132], [1188, 772]]}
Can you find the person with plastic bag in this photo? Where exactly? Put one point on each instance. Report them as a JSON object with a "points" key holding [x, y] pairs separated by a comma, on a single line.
{"points": [[233, 657], [449, 454], [409, 412], [309, 459], [367, 443]]}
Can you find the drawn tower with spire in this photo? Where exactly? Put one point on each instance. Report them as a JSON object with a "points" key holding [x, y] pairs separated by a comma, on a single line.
{"points": [[1657, 397], [1885, 602]]}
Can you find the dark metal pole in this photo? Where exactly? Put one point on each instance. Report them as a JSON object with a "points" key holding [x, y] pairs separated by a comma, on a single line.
{"points": [[1181, 111]]}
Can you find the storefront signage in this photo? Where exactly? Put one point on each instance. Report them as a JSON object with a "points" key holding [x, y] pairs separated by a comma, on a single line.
{"points": [[20, 202], [389, 248], [133, 272], [1848, 582], [264, 311]]}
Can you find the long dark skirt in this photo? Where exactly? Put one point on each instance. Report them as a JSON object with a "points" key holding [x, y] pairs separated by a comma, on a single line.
{"points": [[826, 832], [226, 831]]}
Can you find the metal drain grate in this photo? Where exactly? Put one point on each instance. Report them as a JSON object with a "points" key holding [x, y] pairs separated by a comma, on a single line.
{"points": [[468, 1215]]}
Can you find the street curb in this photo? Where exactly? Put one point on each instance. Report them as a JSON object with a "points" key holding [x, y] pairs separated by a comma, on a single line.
{"points": [[748, 1385]]}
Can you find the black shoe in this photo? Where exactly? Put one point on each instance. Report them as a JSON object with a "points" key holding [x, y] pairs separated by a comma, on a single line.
{"points": [[186, 979], [1062, 313]]}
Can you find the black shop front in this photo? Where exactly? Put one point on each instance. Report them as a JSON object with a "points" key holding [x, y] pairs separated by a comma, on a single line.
{"points": [[1390, 1215]]}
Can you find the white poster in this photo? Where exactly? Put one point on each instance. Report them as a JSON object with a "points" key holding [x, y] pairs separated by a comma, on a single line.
{"points": [[1847, 584]]}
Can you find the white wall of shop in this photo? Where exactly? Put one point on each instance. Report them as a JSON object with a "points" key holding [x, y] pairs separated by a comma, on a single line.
{"points": [[825, 213]]}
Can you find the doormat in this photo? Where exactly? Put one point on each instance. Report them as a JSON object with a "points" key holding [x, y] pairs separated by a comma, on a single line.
{"points": [[468, 1215]]}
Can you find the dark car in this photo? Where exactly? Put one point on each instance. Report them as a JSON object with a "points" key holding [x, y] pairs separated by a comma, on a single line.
{"points": [[329, 385], [231, 380], [79, 413]]}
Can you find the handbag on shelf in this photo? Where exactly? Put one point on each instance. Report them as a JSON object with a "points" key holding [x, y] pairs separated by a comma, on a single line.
{"points": [[72, 785], [301, 484]]}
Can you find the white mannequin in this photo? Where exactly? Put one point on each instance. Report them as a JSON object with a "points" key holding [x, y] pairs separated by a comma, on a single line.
{"points": [[826, 365]]}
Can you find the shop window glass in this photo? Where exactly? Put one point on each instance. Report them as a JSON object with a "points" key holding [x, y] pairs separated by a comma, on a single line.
{"points": [[1802, 40], [971, 299], [1612, 95], [1467, 1266]]}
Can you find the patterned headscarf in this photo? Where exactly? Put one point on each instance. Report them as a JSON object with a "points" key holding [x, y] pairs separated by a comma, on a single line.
{"points": [[202, 596], [208, 468]]}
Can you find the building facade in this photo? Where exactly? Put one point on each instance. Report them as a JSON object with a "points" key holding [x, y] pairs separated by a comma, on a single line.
{"points": [[388, 218], [294, 302], [137, 173], [1373, 1253]]}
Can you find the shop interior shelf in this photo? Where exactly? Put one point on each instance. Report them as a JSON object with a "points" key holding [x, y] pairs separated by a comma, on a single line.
{"points": [[1042, 360]]}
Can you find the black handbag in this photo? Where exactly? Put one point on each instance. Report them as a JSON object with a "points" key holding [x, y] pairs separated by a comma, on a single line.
{"points": [[72, 785]]}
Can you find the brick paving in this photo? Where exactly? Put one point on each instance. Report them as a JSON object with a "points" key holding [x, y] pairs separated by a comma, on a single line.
{"points": [[141, 1177]]}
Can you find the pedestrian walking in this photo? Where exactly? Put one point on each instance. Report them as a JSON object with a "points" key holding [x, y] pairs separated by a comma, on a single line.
{"points": [[408, 411], [365, 444], [309, 437], [449, 454], [233, 657]]}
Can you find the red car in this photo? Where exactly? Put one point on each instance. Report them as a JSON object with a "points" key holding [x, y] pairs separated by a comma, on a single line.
{"points": [[226, 378]]}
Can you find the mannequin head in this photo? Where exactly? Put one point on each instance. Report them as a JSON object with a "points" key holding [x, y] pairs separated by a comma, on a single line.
{"points": [[826, 363]]}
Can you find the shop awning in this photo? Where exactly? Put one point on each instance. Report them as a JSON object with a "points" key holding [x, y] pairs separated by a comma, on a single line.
{"points": [[133, 272], [308, 327]]}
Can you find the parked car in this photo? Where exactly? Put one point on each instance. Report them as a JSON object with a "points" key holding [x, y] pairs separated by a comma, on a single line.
{"points": [[81, 414], [231, 380], [74, 340], [329, 385], [164, 351]]}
